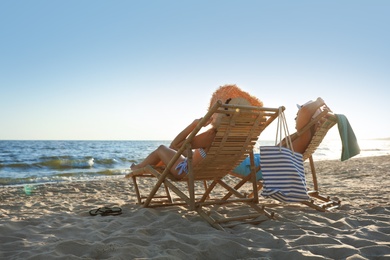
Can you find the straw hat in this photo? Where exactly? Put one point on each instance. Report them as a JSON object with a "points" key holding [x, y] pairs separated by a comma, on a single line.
{"points": [[242, 101], [225, 92]]}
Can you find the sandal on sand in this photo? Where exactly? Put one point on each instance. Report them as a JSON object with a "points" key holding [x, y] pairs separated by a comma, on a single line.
{"points": [[106, 211]]}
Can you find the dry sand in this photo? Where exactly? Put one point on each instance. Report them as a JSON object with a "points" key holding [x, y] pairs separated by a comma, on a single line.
{"points": [[52, 221]]}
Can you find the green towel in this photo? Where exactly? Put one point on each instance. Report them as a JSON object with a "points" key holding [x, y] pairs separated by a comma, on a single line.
{"points": [[350, 147]]}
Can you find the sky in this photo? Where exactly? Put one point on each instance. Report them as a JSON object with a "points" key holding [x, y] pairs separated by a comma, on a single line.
{"points": [[143, 70]]}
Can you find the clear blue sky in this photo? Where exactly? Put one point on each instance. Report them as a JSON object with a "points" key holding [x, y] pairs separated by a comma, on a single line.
{"points": [[143, 70]]}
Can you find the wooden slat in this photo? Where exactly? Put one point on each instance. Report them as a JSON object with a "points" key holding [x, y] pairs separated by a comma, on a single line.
{"points": [[327, 121]]}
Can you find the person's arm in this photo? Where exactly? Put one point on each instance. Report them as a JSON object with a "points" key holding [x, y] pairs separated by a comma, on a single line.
{"points": [[203, 140], [306, 112], [181, 137]]}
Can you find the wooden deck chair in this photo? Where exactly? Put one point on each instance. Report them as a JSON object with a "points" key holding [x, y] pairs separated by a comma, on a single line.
{"points": [[236, 135], [320, 125]]}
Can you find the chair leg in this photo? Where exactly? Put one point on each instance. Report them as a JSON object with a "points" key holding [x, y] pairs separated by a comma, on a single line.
{"points": [[191, 178], [253, 178], [137, 190], [325, 203], [206, 194], [206, 186], [259, 187], [167, 192], [313, 173]]}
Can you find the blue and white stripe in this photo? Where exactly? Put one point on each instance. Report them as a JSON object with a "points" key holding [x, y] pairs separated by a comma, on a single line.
{"points": [[283, 174]]}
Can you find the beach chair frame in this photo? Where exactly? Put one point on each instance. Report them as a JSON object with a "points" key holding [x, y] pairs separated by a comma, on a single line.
{"points": [[236, 136], [320, 125]]}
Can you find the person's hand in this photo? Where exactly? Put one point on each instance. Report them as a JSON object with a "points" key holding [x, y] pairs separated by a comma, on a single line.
{"points": [[196, 121], [209, 121], [320, 101]]}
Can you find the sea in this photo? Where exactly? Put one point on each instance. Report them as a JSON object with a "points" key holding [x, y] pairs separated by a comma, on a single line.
{"points": [[37, 162]]}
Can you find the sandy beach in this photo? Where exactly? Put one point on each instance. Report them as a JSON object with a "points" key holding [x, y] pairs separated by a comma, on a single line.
{"points": [[52, 221]]}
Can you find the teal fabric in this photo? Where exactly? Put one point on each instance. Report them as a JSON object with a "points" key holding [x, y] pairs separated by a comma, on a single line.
{"points": [[244, 168], [350, 146]]}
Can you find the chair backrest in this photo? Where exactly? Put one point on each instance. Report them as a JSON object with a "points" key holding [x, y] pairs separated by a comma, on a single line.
{"points": [[238, 132], [321, 124]]}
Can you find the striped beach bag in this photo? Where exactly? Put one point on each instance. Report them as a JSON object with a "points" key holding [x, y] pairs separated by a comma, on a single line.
{"points": [[282, 169]]}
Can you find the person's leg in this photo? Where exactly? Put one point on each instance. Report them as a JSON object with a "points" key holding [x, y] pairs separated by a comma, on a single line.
{"points": [[162, 153], [151, 159], [166, 154]]}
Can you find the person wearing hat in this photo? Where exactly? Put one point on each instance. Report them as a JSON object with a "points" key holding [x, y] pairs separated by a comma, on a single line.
{"points": [[305, 113], [201, 143]]}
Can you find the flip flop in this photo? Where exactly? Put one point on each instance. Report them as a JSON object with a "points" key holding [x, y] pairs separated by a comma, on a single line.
{"points": [[106, 211]]}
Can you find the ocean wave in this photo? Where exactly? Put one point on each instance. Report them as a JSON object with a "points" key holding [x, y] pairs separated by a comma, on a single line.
{"points": [[57, 161], [15, 165], [61, 163], [62, 177], [65, 163]]}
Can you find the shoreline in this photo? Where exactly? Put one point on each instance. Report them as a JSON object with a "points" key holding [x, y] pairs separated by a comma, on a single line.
{"points": [[54, 222], [103, 177]]}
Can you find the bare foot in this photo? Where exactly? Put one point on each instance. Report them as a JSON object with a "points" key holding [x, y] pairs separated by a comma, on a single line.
{"points": [[133, 166]]}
